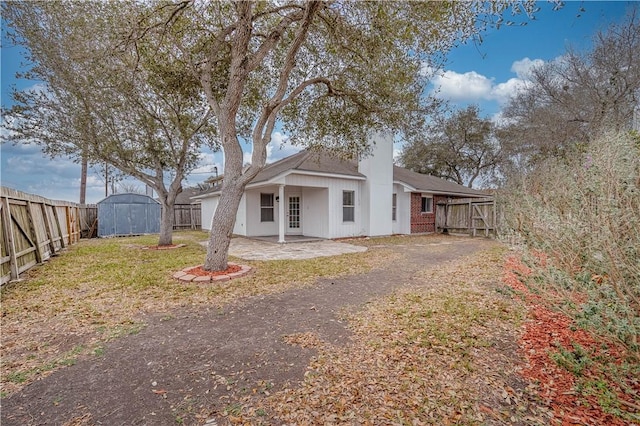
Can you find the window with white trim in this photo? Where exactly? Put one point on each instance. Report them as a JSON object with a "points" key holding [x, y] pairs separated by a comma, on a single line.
{"points": [[348, 206], [266, 208], [427, 204]]}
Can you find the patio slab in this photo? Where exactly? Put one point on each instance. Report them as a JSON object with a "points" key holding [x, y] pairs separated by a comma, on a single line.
{"points": [[263, 249]]}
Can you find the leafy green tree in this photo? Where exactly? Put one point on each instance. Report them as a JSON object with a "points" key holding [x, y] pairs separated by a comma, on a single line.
{"points": [[102, 102], [460, 146], [329, 72]]}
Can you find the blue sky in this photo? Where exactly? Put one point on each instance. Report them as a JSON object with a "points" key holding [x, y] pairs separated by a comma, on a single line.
{"points": [[484, 74]]}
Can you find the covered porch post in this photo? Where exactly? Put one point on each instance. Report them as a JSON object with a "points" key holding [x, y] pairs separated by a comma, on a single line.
{"points": [[281, 213]]}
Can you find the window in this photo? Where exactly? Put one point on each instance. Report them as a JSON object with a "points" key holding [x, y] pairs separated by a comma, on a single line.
{"points": [[394, 206], [427, 205], [348, 206], [266, 207]]}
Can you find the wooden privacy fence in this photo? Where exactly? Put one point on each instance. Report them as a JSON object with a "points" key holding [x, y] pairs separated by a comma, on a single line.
{"points": [[32, 229], [467, 215], [187, 216]]}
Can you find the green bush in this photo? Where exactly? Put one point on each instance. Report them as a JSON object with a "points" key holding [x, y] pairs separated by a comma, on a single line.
{"points": [[579, 219]]}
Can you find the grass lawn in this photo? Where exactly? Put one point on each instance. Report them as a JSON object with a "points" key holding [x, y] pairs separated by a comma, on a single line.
{"points": [[101, 289]]}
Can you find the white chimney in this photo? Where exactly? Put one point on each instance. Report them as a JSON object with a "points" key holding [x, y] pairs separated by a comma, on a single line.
{"points": [[378, 188]]}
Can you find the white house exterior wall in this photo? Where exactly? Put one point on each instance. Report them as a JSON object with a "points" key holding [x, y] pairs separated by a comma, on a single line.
{"points": [[325, 219], [208, 209], [256, 228], [402, 224], [240, 227], [337, 227], [315, 212]]}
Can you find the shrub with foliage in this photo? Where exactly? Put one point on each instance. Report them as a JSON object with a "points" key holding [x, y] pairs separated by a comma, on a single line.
{"points": [[579, 219]]}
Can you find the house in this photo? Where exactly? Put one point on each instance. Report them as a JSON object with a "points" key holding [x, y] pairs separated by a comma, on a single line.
{"points": [[314, 194]]}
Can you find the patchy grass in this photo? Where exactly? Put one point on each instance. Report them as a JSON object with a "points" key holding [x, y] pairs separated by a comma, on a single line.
{"points": [[441, 352], [100, 289]]}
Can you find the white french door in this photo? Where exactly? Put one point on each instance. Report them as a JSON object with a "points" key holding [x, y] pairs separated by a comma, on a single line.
{"points": [[294, 215]]}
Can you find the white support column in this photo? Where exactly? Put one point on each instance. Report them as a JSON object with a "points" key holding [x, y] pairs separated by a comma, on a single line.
{"points": [[281, 217]]}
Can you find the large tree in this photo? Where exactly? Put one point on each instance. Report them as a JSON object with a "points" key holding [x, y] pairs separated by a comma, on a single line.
{"points": [[571, 100], [329, 72], [459, 146], [135, 109]]}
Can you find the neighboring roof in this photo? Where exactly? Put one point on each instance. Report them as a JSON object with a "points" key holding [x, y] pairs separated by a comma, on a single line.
{"points": [[185, 196], [419, 182], [309, 161]]}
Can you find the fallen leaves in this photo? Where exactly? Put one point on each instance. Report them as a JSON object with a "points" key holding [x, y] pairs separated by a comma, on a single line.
{"points": [[101, 289], [431, 354], [566, 362]]}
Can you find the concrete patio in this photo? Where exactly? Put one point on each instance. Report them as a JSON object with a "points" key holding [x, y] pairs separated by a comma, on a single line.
{"points": [[296, 247]]}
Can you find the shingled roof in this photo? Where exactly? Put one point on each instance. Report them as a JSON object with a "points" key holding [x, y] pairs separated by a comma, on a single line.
{"points": [[326, 163], [427, 183], [309, 161]]}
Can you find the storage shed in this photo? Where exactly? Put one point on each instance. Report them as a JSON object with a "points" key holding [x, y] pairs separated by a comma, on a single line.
{"points": [[128, 214]]}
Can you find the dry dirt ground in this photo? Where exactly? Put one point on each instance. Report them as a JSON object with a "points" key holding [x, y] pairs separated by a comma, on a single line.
{"points": [[189, 367]]}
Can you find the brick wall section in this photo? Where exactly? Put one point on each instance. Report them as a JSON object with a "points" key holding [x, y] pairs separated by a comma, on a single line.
{"points": [[423, 222]]}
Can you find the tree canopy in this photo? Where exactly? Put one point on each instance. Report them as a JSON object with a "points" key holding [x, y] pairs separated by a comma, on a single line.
{"points": [[133, 109], [459, 146]]}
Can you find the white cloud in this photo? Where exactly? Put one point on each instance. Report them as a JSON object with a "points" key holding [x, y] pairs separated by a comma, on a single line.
{"points": [[474, 87], [504, 91], [279, 147], [469, 86], [523, 67], [246, 158]]}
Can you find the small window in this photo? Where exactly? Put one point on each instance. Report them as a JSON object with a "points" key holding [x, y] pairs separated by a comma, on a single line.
{"points": [[394, 206], [348, 206], [266, 208], [427, 205]]}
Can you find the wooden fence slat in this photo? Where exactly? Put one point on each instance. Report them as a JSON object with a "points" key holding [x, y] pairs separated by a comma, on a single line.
{"points": [[7, 227], [468, 215], [32, 229], [47, 228]]}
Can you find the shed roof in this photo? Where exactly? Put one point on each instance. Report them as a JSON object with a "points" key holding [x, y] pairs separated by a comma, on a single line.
{"points": [[128, 198]]}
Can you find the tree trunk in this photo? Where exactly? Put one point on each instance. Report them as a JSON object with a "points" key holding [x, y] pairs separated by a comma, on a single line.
{"points": [[222, 227], [83, 179], [166, 223]]}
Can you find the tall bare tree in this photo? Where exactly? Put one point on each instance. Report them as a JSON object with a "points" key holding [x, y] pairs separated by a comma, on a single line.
{"points": [[136, 110], [574, 98]]}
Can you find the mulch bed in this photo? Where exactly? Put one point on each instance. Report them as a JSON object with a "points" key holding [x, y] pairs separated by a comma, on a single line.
{"points": [[165, 247], [199, 272], [196, 274], [549, 332]]}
